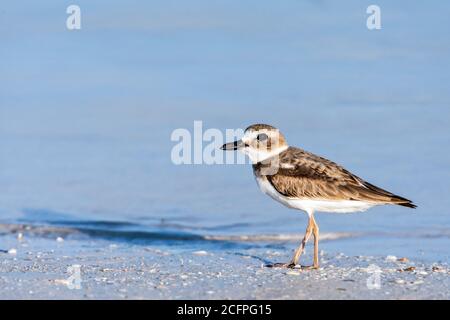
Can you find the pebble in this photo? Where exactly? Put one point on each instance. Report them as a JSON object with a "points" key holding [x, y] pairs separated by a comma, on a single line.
{"points": [[12, 251], [59, 239], [61, 281], [410, 269], [437, 269], [391, 258]]}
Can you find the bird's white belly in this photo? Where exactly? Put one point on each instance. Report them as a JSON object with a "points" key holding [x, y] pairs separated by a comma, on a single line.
{"points": [[308, 205]]}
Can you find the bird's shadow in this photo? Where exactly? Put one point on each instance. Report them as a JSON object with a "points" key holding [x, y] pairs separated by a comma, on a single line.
{"points": [[266, 262]]}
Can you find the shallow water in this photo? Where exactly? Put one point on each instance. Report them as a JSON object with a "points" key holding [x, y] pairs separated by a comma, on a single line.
{"points": [[86, 116]]}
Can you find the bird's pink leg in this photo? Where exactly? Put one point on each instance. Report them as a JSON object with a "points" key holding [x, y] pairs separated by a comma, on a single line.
{"points": [[301, 248], [316, 244]]}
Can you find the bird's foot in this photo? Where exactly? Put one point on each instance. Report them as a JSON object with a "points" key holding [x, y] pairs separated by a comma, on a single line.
{"points": [[290, 265], [314, 267]]}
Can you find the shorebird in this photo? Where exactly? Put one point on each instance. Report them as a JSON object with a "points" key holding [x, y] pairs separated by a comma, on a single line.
{"points": [[302, 180]]}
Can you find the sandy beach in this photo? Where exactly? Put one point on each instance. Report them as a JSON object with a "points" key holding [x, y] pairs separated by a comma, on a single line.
{"points": [[35, 264], [95, 204]]}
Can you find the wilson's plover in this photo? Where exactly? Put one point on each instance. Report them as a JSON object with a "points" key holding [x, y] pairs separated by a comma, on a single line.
{"points": [[302, 180]]}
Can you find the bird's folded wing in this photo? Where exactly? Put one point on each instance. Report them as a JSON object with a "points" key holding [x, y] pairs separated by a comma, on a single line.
{"points": [[304, 175]]}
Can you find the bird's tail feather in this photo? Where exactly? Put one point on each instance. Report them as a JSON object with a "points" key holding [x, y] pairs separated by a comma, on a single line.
{"points": [[393, 198]]}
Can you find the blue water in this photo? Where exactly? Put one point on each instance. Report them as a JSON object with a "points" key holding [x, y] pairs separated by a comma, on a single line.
{"points": [[86, 116]]}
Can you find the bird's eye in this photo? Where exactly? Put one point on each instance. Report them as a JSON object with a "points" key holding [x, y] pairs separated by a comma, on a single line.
{"points": [[262, 137]]}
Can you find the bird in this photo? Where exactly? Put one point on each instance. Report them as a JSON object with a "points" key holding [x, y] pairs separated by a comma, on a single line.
{"points": [[302, 180]]}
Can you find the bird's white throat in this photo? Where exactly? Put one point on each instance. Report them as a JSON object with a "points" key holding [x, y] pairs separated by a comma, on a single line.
{"points": [[256, 155]]}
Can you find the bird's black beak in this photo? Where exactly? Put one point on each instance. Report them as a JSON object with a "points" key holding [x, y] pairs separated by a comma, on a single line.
{"points": [[239, 144]]}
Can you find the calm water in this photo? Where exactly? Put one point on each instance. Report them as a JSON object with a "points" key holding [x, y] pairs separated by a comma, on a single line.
{"points": [[86, 116]]}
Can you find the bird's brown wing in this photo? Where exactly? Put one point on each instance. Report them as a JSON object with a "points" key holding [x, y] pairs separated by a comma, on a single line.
{"points": [[302, 174]]}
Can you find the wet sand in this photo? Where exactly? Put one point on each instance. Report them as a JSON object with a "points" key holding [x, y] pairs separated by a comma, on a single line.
{"points": [[34, 266]]}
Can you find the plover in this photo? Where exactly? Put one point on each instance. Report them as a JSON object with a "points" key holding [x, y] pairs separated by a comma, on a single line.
{"points": [[302, 180]]}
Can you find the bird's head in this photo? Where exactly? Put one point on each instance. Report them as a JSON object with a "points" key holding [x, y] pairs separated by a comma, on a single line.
{"points": [[260, 141]]}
